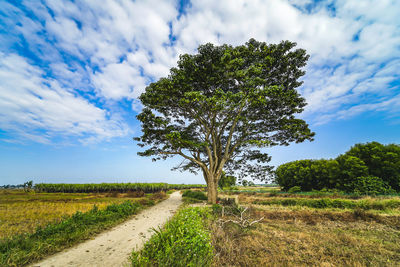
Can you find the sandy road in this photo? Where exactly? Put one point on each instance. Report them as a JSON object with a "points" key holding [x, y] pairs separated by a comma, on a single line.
{"points": [[113, 248]]}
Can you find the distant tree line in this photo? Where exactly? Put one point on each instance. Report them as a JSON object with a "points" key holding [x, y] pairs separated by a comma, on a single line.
{"points": [[370, 168], [112, 187], [27, 186]]}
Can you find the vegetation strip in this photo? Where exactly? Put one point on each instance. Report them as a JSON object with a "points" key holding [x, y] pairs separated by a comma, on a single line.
{"points": [[184, 241], [365, 204], [112, 187], [366, 169], [23, 249], [190, 196]]}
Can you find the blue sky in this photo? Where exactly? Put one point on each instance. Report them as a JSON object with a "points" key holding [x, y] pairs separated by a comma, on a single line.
{"points": [[71, 73]]}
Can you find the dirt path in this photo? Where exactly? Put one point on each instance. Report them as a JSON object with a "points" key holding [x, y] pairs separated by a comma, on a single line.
{"points": [[113, 248]]}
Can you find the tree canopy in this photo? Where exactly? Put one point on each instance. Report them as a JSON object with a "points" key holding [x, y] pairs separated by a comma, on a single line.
{"points": [[220, 107], [370, 168], [226, 180]]}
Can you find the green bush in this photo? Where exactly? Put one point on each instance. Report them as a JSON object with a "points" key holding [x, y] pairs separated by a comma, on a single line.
{"points": [[371, 185], [362, 160], [294, 189], [184, 241], [308, 174], [194, 194], [350, 168], [383, 161]]}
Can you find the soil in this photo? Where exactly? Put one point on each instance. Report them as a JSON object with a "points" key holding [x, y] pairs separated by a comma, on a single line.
{"points": [[113, 248]]}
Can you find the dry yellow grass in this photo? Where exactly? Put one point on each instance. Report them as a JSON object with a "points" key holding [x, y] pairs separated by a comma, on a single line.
{"points": [[22, 212], [302, 236]]}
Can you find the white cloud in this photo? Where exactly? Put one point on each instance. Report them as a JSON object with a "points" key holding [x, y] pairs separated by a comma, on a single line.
{"points": [[40, 109], [114, 49], [119, 80]]}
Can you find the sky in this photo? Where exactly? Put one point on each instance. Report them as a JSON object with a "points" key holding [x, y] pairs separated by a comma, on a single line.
{"points": [[71, 73]]}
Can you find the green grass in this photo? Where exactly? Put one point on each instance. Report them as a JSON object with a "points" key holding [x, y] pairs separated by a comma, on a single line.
{"points": [[27, 248], [190, 196], [365, 204], [309, 194], [184, 241]]}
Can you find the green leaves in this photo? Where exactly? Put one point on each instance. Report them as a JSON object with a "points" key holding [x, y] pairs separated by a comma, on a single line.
{"points": [[218, 105], [354, 171]]}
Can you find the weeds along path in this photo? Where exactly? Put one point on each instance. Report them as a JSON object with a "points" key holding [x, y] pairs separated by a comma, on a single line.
{"points": [[113, 248]]}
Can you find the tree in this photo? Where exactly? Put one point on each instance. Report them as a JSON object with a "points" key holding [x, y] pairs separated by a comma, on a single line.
{"points": [[226, 180], [350, 168], [217, 109], [28, 186], [309, 174], [382, 161]]}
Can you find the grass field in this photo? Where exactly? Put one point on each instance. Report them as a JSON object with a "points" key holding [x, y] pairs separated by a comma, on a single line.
{"points": [[307, 234], [301, 229], [22, 212]]}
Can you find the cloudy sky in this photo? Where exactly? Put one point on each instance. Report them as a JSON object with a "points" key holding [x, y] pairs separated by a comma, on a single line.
{"points": [[71, 73]]}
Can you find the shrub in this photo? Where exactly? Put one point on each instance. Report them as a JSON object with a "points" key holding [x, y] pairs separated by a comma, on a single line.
{"points": [[294, 189], [350, 168], [371, 185], [184, 241], [194, 194], [382, 161]]}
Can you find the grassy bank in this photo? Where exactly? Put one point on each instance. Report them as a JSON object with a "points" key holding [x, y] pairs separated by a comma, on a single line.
{"points": [[184, 241], [22, 249], [322, 203], [23, 212]]}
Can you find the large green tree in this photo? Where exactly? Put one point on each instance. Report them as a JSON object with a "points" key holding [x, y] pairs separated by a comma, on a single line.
{"points": [[382, 161], [219, 108]]}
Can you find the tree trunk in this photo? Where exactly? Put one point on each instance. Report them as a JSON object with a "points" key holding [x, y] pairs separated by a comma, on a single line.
{"points": [[212, 190]]}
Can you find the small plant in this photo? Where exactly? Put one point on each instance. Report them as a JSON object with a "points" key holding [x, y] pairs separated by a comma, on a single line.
{"points": [[194, 194], [294, 189]]}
